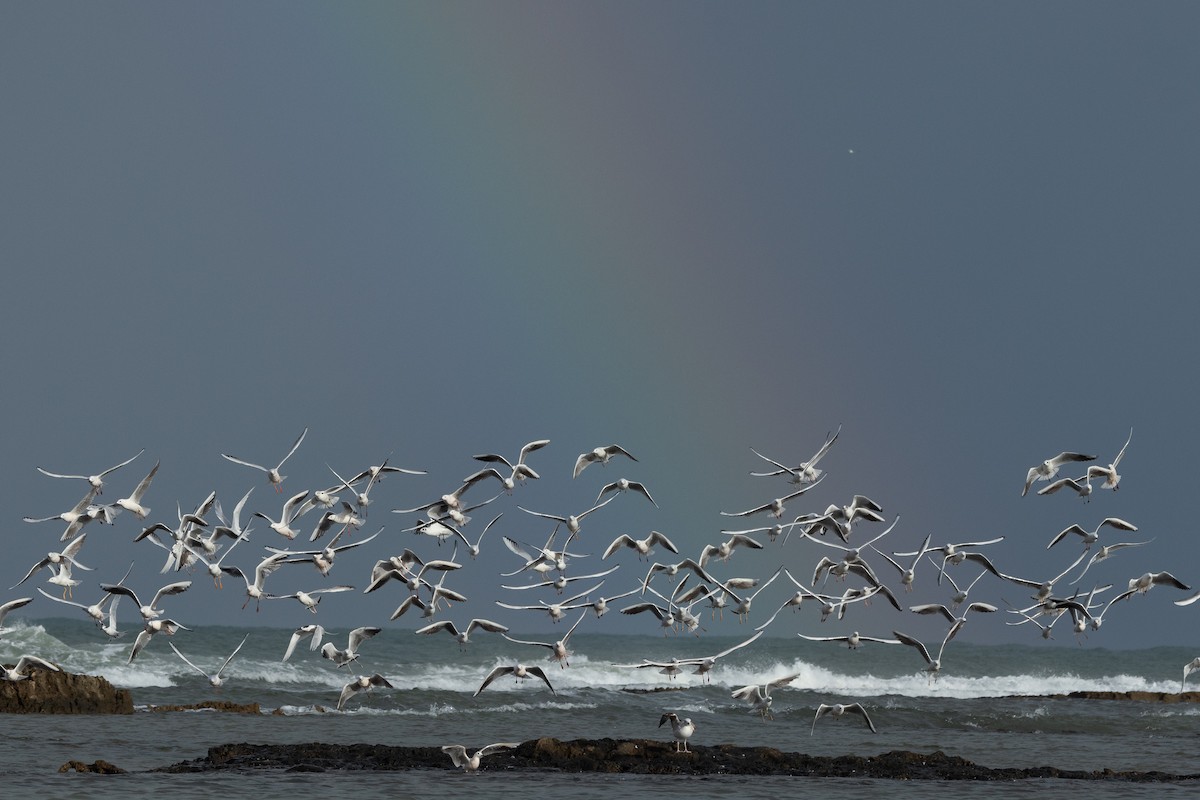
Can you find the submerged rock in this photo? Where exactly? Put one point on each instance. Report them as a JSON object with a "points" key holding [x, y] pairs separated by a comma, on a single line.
{"points": [[226, 706], [636, 756], [63, 693]]}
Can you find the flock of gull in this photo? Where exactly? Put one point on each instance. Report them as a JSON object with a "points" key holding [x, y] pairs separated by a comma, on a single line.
{"points": [[851, 538]]}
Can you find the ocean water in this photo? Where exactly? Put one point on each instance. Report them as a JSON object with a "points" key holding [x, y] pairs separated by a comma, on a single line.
{"points": [[993, 705]]}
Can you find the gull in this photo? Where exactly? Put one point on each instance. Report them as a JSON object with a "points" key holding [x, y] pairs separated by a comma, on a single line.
{"points": [[361, 684], [354, 640], [1081, 486], [775, 507], [473, 549], [62, 577], [293, 509], [1188, 669], [315, 631], [400, 568], [311, 598], [452, 501], [229, 529], [742, 609], [110, 627], [463, 636], [837, 710], [852, 641], [773, 531], [97, 481], [215, 680], [67, 554], [725, 549], [1045, 588], [76, 517], [797, 600], [519, 671], [558, 649], [626, 485], [470, 763], [556, 610], [22, 671], [362, 499], [95, 611], [573, 522], [1147, 581], [841, 519], [562, 581], [13, 605], [323, 559], [807, 471], [1092, 536], [1111, 478], [167, 627], [273, 474], [956, 621], [907, 574], [147, 610], [1045, 628], [644, 547], [133, 503], [254, 589], [599, 455], [706, 664], [1187, 601], [376, 474], [681, 729], [1104, 552], [851, 559], [518, 471], [666, 616], [347, 518], [933, 665], [672, 570], [1050, 467], [759, 695], [960, 595], [953, 553], [600, 606]]}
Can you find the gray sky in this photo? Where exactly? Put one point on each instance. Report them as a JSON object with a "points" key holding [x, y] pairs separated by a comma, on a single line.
{"points": [[963, 232]]}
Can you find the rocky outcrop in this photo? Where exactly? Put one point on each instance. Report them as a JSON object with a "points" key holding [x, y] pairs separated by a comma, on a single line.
{"points": [[1144, 697], [49, 692], [636, 756], [224, 706], [96, 768]]}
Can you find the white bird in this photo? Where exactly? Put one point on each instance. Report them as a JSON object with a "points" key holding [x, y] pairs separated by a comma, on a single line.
{"points": [[294, 508], [1050, 467], [758, 695], [1081, 486], [1104, 552], [837, 710], [1091, 537], [705, 664], [519, 471], [78, 516], [354, 641], [681, 729], [519, 671], [315, 631], [852, 641], [907, 574], [464, 635], [470, 763], [215, 680], [167, 627], [1188, 669], [1111, 478], [573, 522], [133, 503], [67, 554], [626, 485], [956, 620], [558, 649], [556, 610], [774, 507], [933, 665], [807, 471], [62, 577], [255, 589], [361, 684], [1187, 601], [666, 616], [310, 599], [22, 671], [841, 519], [452, 501], [644, 547], [148, 610], [13, 605], [599, 455], [323, 559], [725, 549], [273, 473], [1147, 581], [96, 481], [473, 549]]}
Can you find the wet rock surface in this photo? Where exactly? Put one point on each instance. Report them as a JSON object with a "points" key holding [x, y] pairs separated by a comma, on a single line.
{"points": [[637, 756], [63, 693]]}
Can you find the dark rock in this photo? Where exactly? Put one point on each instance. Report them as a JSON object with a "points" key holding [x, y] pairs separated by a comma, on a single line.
{"points": [[96, 767], [49, 692], [212, 705], [637, 756]]}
